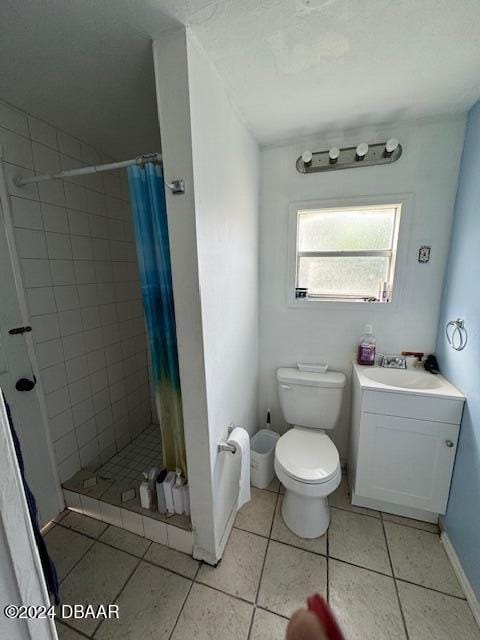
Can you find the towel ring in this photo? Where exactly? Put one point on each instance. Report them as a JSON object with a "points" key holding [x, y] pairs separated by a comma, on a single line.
{"points": [[458, 337]]}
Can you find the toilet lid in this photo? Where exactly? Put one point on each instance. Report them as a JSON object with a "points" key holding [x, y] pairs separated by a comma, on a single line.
{"points": [[307, 455]]}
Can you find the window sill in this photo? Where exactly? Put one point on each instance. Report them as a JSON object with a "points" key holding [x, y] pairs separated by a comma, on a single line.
{"points": [[312, 303]]}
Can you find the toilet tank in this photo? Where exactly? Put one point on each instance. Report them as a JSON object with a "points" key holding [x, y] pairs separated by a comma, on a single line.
{"points": [[310, 399]]}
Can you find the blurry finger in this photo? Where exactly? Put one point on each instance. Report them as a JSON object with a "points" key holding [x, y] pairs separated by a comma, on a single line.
{"points": [[305, 625]]}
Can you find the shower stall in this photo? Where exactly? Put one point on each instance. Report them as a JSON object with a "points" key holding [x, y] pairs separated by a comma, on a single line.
{"points": [[117, 414]]}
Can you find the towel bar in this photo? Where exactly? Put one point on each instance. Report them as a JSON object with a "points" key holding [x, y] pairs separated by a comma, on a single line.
{"points": [[225, 446]]}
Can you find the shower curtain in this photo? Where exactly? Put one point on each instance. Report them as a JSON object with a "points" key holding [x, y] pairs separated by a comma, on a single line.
{"points": [[149, 211]]}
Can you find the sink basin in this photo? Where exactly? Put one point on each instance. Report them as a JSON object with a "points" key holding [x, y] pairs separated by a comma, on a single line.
{"points": [[408, 381], [405, 379]]}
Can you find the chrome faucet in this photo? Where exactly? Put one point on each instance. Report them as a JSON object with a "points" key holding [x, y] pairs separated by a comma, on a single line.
{"points": [[394, 362]]}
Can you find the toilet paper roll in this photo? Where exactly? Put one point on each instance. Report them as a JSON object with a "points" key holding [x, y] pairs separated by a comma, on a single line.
{"points": [[241, 440]]}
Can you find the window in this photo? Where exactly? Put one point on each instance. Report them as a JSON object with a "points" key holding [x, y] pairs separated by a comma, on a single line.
{"points": [[346, 253]]}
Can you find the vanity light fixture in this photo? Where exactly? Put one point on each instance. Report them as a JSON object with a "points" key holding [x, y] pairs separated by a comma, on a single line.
{"points": [[307, 157], [390, 146], [333, 154], [361, 151], [362, 155]]}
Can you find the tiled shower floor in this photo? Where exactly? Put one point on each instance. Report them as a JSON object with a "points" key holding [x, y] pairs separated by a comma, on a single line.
{"points": [[105, 493], [140, 455]]}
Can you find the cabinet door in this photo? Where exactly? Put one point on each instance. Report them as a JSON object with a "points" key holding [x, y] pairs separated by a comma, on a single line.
{"points": [[405, 461]]}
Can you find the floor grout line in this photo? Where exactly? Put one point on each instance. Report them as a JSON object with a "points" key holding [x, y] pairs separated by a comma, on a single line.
{"points": [[250, 626], [148, 547], [400, 524], [280, 615], [120, 592], [402, 615], [175, 573], [422, 586], [293, 546], [65, 624], [263, 564], [225, 593], [60, 581], [87, 535], [184, 603], [410, 526], [268, 538], [260, 535], [361, 566]]}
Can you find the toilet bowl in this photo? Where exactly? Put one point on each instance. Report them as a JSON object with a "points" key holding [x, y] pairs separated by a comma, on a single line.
{"points": [[308, 465], [307, 462]]}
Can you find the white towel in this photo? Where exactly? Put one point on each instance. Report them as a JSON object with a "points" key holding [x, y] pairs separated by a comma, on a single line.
{"points": [[240, 438]]}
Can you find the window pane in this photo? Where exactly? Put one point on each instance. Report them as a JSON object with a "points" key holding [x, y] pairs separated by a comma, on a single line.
{"points": [[336, 277], [346, 230]]}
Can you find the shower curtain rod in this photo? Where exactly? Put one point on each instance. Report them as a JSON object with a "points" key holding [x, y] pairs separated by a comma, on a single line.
{"points": [[82, 171]]}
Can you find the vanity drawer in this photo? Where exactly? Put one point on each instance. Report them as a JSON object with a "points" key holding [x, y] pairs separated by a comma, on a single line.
{"points": [[413, 406]]}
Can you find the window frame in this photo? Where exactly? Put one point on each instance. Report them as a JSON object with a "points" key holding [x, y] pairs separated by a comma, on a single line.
{"points": [[401, 231]]}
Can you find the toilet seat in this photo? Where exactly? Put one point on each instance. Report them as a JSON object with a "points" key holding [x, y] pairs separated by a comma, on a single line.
{"points": [[307, 456]]}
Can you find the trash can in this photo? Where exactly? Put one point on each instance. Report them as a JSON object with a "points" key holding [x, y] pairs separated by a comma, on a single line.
{"points": [[262, 458]]}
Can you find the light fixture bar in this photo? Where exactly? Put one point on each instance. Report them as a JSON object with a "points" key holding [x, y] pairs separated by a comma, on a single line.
{"points": [[362, 155]]}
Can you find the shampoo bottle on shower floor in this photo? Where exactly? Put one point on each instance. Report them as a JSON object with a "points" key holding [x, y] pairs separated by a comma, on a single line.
{"points": [[177, 492], [146, 498], [168, 490]]}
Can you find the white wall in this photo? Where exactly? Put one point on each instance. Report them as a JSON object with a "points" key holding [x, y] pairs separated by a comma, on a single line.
{"points": [[171, 77], [213, 231], [78, 261], [226, 175], [428, 169]]}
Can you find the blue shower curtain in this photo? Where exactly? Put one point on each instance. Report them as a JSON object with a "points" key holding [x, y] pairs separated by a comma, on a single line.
{"points": [[147, 193]]}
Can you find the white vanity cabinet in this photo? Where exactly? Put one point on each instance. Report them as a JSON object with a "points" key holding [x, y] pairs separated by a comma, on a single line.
{"points": [[402, 447]]}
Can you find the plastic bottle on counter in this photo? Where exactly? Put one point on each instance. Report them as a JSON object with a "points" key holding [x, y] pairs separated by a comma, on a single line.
{"points": [[366, 348]]}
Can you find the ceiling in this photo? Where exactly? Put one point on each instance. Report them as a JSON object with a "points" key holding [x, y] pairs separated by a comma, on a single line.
{"points": [[291, 67], [85, 66]]}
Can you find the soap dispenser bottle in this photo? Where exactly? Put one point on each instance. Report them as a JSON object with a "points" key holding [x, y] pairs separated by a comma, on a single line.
{"points": [[366, 348]]}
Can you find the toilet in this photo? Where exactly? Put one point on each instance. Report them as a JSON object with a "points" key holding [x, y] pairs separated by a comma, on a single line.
{"points": [[306, 460]]}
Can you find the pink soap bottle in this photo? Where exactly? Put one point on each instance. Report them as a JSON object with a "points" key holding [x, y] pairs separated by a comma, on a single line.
{"points": [[366, 348]]}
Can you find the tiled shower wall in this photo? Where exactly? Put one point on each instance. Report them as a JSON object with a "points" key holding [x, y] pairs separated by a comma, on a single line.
{"points": [[76, 248]]}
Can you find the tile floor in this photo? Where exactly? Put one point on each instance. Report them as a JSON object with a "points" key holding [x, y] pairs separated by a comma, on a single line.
{"points": [[385, 577], [140, 455]]}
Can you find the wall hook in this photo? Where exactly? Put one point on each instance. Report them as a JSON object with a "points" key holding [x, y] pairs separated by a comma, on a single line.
{"points": [[176, 186]]}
